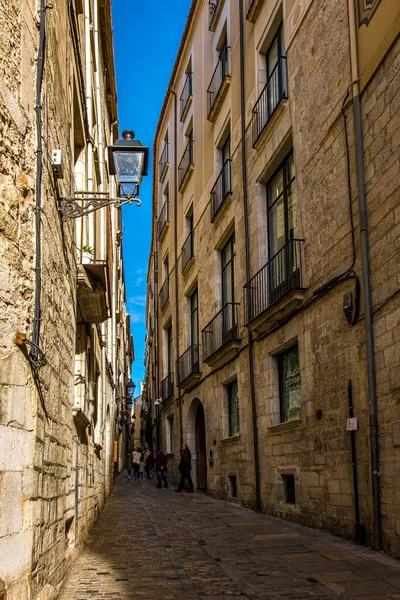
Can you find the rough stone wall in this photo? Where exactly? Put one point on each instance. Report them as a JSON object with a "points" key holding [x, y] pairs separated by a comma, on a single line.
{"points": [[52, 479]]}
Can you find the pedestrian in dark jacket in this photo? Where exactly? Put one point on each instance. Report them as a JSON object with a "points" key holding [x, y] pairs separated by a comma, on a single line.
{"points": [[162, 469], [149, 463], [185, 466], [129, 464]]}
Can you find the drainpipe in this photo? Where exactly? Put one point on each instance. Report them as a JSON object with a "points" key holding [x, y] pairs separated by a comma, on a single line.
{"points": [[371, 370], [114, 225], [102, 212], [247, 244], [176, 257], [89, 110]]}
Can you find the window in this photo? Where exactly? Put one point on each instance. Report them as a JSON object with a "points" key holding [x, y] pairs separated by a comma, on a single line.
{"points": [[289, 489], [188, 246], [226, 157], [228, 271], [282, 212], [170, 358], [276, 76], [170, 435], [233, 407], [229, 315], [289, 384], [194, 317]]}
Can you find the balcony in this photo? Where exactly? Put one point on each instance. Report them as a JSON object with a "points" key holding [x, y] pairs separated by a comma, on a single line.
{"points": [[220, 338], [186, 96], [273, 92], [219, 85], [186, 166], [164, 162], [221, 189], [253, 8], [189, 368], [164, 293], [214, 11], [167, 387], [163, 220], [277, 288], [188, 250], [93, 292]]}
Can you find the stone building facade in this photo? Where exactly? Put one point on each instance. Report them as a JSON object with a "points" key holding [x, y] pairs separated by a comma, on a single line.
{"points": [[65, 344], [264, 274]]}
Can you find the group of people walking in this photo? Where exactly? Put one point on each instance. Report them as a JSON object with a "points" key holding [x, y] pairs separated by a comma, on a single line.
{"points": [[143, 462]]}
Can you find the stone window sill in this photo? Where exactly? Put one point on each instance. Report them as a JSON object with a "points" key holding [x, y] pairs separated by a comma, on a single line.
{"points": [[284, 426], [232, 438]]}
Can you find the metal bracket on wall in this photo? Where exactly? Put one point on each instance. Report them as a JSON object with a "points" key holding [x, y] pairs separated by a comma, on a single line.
{"points": [[84, 203]]}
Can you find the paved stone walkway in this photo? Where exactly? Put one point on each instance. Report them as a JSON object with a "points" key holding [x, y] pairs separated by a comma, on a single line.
{"points": [[154, 544]]}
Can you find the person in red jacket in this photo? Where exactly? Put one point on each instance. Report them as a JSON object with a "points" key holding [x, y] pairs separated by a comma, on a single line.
{"points": [[162, 469]]}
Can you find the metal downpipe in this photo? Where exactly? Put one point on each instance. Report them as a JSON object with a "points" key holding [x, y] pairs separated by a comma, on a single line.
{"points": [[247, 244], [369, 334], [176, 257]]}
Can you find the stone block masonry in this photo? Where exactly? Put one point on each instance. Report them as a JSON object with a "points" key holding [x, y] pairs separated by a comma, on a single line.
{"points": [[54, 474]]}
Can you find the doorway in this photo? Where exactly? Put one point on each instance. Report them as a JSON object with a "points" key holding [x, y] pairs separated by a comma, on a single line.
{"points": [[201, 452], [196, 440]]}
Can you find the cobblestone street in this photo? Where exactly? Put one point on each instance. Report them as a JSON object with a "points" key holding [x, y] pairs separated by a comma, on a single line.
{"points": [[154, 544]]}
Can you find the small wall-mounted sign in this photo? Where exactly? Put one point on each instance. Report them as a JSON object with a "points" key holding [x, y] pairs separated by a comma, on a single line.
{"points": [[194, 457], [352, 424]]}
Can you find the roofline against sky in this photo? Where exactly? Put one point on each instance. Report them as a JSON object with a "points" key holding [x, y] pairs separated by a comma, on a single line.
{"points": [[161, 117]]}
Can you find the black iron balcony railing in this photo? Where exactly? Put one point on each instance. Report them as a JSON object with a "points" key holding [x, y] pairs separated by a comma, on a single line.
{"points": [[187, 250], [252, 9], [221, 71], [249, 4], [281, 274], [274, 91], [186, 163], [188, 363], [221, 189], [222, 329], [163, 219], [167, 387], [187, 93], [163, 161], [164, 293], [212, 7]]}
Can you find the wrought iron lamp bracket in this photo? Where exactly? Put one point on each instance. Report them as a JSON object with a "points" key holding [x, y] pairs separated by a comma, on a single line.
{"points": [[85, 203]]}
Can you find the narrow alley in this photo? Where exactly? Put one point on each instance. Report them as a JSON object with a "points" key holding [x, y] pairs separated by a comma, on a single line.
{"points": [[157, 544]]}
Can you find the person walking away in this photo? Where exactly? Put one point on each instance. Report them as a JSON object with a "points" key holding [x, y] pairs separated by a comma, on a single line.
{"points": [[150, 462], [185, 466], [129, 463], [136, 463], [141, 467], [162, 469]]}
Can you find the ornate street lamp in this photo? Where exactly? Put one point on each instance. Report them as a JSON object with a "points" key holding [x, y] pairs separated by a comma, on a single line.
{"points": [[130, 387], [128, 161]]}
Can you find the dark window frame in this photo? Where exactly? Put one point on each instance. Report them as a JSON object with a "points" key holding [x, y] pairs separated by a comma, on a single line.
{"points": [[284, 417], [233, 418]]}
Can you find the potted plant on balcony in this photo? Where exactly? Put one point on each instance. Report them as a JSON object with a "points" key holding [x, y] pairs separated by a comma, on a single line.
{"points": [[86, 254]]}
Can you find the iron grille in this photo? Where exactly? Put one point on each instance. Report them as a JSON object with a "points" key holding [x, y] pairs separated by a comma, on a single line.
{"points": [[279, 276], [221, 188], [223, 328], [221, 71], [188, 363], [273, 92]]}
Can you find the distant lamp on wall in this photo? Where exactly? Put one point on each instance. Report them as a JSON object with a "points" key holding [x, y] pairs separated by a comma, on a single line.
{"points": [[128, 161]]}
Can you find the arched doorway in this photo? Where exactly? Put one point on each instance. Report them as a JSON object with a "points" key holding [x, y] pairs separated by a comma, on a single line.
{"points": [[201, 451], [197, 443]]}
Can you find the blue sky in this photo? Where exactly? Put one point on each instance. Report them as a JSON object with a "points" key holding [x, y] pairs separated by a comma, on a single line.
{"points": [[147, 34]]}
